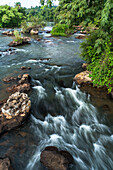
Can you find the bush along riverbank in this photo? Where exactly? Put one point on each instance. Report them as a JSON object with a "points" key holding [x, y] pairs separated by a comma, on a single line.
{"points": [[97, 49]]}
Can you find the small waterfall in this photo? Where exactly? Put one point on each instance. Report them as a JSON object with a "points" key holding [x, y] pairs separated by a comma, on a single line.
{"points": [[80, 135]]}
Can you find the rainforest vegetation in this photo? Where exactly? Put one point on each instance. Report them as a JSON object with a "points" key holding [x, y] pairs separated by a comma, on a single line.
{"points": [[97, 48], [14, 16]]}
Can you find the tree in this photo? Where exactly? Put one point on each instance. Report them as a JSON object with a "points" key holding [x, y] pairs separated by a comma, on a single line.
{"points": [[98, 49], [17, 4], [11, 17]]}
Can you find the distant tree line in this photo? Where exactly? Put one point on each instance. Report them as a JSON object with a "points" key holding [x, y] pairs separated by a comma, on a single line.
{"points": [[14, 16]]}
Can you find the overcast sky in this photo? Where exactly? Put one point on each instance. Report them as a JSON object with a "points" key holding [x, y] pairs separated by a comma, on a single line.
{"points": [[24, 3]]}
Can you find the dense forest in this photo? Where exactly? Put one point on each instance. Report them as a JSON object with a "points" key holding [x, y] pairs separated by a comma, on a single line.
{"points": [[14, 16], [98, 46]]}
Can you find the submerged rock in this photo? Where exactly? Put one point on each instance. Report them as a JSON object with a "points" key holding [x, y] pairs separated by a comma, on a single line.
{"points": [[84, 32], [47, 31], [14, 111], [54, 159], [7, 51], [83, 78], [9, 79], [22, 41], [80, 37], [78, 27], [22, 86], [38, 39], [34, 32], [48, 41], [5, 164], [8, 33], [25, 68], [75, 31]]}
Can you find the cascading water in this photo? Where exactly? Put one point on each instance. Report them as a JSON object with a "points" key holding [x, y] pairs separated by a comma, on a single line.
{"points": [[79, 132], [61, 115]]}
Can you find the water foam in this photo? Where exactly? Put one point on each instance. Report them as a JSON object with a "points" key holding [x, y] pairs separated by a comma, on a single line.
{"points": [[78, 135]]}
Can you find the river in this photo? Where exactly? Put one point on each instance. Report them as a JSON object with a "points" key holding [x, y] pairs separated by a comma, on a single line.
{"points": [[61, 115]]}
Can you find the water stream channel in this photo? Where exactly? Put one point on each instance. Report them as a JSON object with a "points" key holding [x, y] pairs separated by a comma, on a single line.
{"points": [[61, 115]]}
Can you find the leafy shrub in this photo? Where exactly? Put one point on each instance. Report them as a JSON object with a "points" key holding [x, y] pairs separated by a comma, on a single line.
{"points": [[24, 25], [18, 37], [60, 29], [99, 54], [98, 49]]}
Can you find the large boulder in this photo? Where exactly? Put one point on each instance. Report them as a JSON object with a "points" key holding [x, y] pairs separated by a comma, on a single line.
{"points": [[5, 164], [14, 111], [83, 78], [54, 159]]}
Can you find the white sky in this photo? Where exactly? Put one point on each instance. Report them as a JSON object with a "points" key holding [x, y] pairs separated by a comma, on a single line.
{"points": [[24, 3]]}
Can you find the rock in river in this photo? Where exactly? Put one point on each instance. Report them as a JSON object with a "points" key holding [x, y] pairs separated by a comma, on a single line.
{"points": [[80, 36], [84, 66], [22, 86], [9, 79], [83, 78], [8, 33], [34, 32], [54, 159], [14, 111], [25, 68], [5, 164], [22, 41]]}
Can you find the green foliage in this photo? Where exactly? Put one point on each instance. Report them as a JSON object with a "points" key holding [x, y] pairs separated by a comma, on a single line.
{"points": [[18, 37], [44, 13], [49, 2], [98, 49], [60, 29], [102, 68], [17, 4], [24, 25], [74, 12], [11, 17]]}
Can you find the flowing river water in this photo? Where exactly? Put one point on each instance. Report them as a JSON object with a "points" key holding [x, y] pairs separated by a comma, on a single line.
{"points": [[61, 115]]}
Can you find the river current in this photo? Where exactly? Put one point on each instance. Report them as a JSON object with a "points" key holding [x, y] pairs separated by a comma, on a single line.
{"points": [[61, 115]]}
